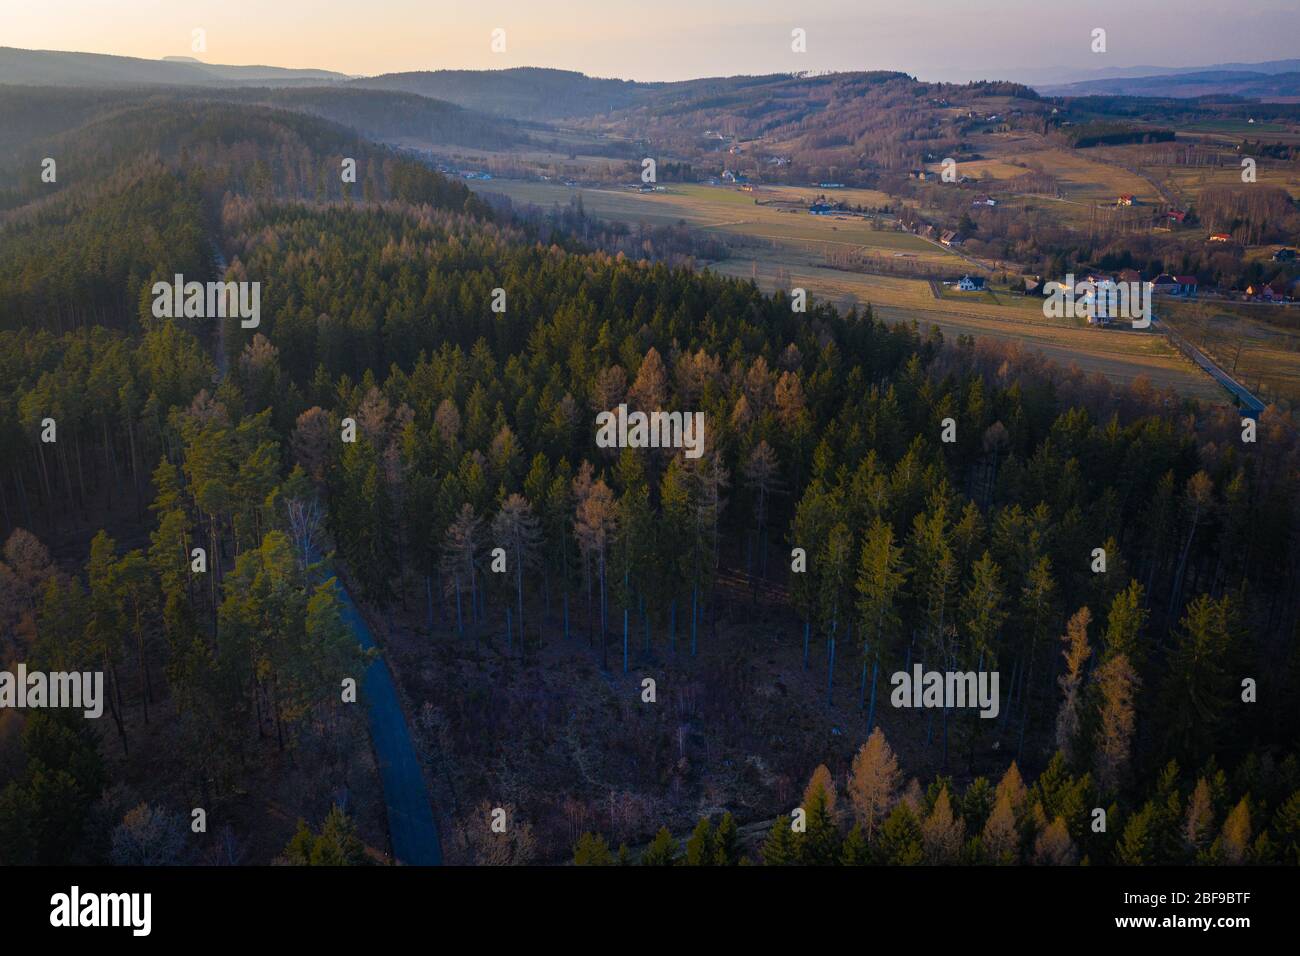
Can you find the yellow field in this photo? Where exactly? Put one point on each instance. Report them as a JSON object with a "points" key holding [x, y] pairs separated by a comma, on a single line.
{"points": [[1086, 180], [869, 198], [1120, 356], [1188, 182], [729, 211], [981, 168], [1254, 342]]}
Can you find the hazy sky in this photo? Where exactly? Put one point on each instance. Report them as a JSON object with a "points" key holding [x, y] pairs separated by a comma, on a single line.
{"points": [[670, 39]]}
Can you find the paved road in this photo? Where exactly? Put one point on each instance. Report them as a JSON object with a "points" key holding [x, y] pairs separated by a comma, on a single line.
{"points": [[406, 798], [410, 817], [1250, 405]]}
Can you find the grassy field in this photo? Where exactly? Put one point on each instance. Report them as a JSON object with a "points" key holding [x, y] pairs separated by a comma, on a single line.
{"points": [[1188, 182], [731, 212], [1258, 344], [1119, 355], [792, 247]]}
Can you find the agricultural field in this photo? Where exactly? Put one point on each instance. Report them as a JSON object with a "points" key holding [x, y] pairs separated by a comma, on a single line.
{"points": [[867, 198], [1187, 182], [1257, 343], [1235, 129], [731, 212], [1120, 355], [1089, 181], [791, 248]]}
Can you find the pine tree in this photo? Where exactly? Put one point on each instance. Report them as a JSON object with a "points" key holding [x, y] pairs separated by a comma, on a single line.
{"points": [[1195, 689], [1137, 842], [663, 850], [762, 474], [700, 847], [873, 783], [460, 556], [855, 851], [1118, 686], [1234, 841], [881, 576], [726, 842], [781, 848], [1076, 654], [942, 833], [1286, 829], [821, 840], [1199, 820], [516, 530], [900, 842], [596, 523], [1054, 846], [1000, 836], [1124, 625], [592, 850]]}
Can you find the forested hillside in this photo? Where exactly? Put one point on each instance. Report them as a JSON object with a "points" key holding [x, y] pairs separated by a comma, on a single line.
{"points": [[1124, 687]]}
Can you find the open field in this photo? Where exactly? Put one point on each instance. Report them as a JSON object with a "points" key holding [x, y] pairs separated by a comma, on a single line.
{"points": [[1253, 342], [1087, 180], [1189, 181], [985, 169], [1031, 306], [794, 251], [731, 212], [1119, 355], [868, 198]]}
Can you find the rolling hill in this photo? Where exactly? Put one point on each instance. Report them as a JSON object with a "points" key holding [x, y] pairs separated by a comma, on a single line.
{"points": [[58, 68]]}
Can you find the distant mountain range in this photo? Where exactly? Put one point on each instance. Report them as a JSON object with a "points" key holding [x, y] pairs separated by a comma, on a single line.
{"points": [[57, 68], [1056, 76], [544, 94], [1252, 84], [1273, 80], [525, 92]]}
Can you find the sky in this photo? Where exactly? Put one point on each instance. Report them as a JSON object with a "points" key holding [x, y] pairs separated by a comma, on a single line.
{"points": [[954, 40]]}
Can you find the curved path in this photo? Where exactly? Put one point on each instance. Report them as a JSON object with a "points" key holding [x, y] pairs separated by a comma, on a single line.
{"points": [[411, 827], [410, 816]]}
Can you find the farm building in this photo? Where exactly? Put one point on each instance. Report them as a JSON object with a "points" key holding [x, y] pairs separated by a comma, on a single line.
{"points": [[1165, 284], [970, 284]]}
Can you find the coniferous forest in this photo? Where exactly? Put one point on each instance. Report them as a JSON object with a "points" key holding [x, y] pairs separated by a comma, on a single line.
{"points": [[623, 656]]}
